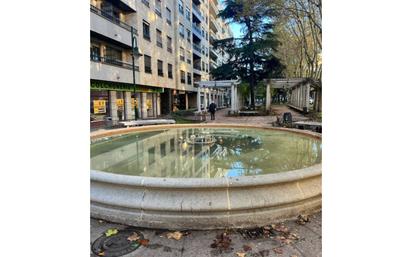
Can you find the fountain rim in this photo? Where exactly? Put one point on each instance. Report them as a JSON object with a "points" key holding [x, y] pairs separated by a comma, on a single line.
{"points": [[242, 181]]}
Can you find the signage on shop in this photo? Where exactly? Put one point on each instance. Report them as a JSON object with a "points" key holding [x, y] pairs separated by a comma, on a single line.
{"points": [[149, 103], [119, 103], [99, 106]]}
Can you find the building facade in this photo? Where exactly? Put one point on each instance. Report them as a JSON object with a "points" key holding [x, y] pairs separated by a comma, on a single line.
{"points": [[174, 39]]}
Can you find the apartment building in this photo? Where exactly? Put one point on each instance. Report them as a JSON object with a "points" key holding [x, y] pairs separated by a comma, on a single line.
{"points": [[173, 37]]}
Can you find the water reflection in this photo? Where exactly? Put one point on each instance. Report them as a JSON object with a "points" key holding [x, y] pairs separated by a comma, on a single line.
{"points": [[204, 153]]}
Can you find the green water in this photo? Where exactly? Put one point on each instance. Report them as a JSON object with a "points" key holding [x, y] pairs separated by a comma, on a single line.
{"points": [[235, 152]]}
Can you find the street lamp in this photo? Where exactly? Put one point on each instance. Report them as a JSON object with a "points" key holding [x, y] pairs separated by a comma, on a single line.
{"points": [[135, 52]]}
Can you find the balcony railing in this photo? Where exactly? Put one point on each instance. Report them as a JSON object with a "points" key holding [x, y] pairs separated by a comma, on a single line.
{"points": [[110, 17], [197, 48], [196, 11], [197, 29], [112, 61]]}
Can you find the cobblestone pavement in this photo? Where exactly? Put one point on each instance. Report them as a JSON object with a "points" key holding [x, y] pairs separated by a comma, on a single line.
{"points": [[264, 121], [198, 243]]}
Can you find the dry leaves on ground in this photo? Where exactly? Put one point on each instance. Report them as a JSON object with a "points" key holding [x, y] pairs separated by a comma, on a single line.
{"points": [[222, 242], [247, 248], [143, 242], [302, 219], [101, 254], [175, 235], [111, 231], [278, 250], [241, 254], [133, 237]]}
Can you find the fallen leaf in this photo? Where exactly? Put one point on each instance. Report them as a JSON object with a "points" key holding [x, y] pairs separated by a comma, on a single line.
{"points": [[278, 250], [133, 237], [101, 221], [143, 242], [101, 254], [302, 219], [246, 248], [241, 254], [175, 235], [111, 232]]}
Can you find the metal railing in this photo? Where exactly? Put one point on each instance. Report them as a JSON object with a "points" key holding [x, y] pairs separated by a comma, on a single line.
{"points": [[197, 48], [112, 61], [196, 11], [197, 29], [111, 18]]}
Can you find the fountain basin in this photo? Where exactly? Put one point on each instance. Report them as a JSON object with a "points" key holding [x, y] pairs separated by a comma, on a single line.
{"points": [[204, 203]]}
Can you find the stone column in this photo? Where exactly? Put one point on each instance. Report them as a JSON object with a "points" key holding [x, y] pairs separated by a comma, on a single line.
{"points": [[268, 97], [158, 104], [204, 99], [232, 97], [307, 95], [198, 100], [143, 105], [128, 105], [187, 100], [113, 106]]}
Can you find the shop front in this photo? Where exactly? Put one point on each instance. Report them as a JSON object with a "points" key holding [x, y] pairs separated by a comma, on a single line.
{"points": [[111, 102]]}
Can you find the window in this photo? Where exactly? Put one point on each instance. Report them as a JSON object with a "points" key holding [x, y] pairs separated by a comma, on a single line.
{"points": [[168, 16], [207, 38], [203, 66], [189, 78], [146, 2], [146, 30], [181, 7], [172, 147], [160, 68], [169, 44], [206, 52], [182, 54], [203, 32], [163, 149], [182, 77], [170, 74], [147, 64], [207, 67], [189, 34], [159, 38], [113, 56], [181, 30], [187, 13], [189, 59], [95, 53], [158, 7], [203, 49]]}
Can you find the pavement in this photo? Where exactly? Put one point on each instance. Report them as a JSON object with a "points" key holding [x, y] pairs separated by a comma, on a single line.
{"points": [[307, 241], [264, 121]]}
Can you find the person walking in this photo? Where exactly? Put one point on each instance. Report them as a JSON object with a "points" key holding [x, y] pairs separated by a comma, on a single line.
{"points": [[212, 110]]}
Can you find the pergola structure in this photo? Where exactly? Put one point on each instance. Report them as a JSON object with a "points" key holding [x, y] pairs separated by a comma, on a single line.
{"points": [[298, 92], [218, 91]]}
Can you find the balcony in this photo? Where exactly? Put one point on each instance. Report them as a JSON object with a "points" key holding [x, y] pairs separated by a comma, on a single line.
{"points": [[197, 31], [197, 49], [197, 12], [213, 9], [109, 26], [213, 25], [107, 69]]}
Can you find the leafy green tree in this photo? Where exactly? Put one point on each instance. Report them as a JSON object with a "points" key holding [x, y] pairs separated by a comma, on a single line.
{"points": [[252, 57]]}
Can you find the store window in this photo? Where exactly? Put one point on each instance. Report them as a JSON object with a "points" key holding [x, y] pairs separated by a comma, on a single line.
{"points": [[99, 107]]}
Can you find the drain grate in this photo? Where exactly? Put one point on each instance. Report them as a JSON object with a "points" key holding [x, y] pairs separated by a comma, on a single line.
{"points": [[116, 245]]}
